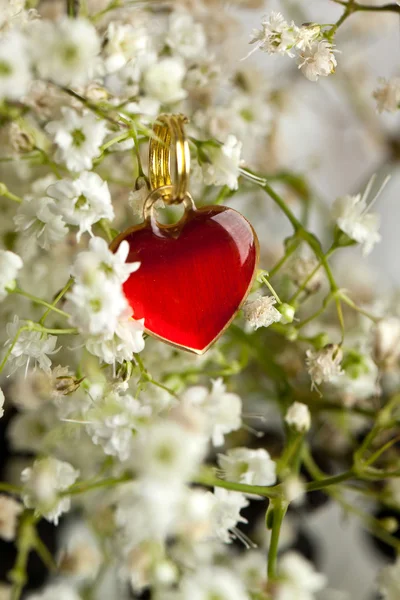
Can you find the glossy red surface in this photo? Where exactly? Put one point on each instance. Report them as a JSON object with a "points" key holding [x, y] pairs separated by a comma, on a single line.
{"points": [[193, 275]]}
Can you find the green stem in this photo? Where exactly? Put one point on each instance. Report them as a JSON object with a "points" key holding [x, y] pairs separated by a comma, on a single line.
{"points": [[37, 300], [208, 479], [10, 488], [88, 486], [279, 511], [321, 484], [25, 543], [44, 553], [271, 289], [354, 306], [4, 191], [292, 247], [316, 314], [119, 138], [57, 299], [381, 451]]}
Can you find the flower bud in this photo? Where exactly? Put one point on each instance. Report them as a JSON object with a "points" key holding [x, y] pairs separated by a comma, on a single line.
{"points": [[287, 311]]}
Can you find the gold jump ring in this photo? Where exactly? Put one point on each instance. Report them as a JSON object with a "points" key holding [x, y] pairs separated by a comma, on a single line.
{"points": [[169, 144]]}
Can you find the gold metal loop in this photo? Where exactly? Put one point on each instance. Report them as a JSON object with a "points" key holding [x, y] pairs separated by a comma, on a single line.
{"points": [[169, 148], [159, 194]]}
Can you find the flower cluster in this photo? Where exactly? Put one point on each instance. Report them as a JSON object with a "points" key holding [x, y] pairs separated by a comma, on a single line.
{"points": [[315, 53]]}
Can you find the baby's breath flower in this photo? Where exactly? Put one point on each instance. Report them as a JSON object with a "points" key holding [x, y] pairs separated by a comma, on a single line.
{"points": [[387, 342], [42, 484], [323, 365], [64, 51], [318, 60], [186, 37], [226, 514], [10, 264], [112, 418], [298, 417], [387, 96], [99, 259], [223, 165], [83, 201], [213, 582], [222, 409], [276, 36], [163, 80], [352, 217], [31, 348], [261, 312], [15, 76], [2, 399], [166, 451], [61, 591], [294, 490], [124, 43], [126, 340], [253, 467], [298, 577], [37, 218], [9, 511], [78, 138]]}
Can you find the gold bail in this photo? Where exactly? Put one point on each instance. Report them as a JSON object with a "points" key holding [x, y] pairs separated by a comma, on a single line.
{"points": [[169, 147]]}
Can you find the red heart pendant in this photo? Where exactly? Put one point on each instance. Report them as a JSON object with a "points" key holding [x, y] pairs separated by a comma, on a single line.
{"points": [[193, 275]]}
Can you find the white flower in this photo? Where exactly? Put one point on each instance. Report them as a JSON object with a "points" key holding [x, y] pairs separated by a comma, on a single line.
{"points": [[388, 95], [2, 399], [195, 515], [10, 264], [59, 591], [251, 567], [352, 217], [253, 467], [300, 580], [15, 75], [212, 583], [298, 416], [82, 201], [124, 43], [387, 342], [261, 312], [307, 35], [389, 581], [95, 309], [80, 556], [78, 138], [185, 36], [146, 510], [163, 80], [223, 168], [137, 198], [226, 514], [42, 484], [276, 36], [222, 409], [37, 218], [167, 451], [9, 511], [294, 490], [318, 60], [64, 51], [126, 341], [99, 258], [323, 365], [31, 348], [111, 420]]}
